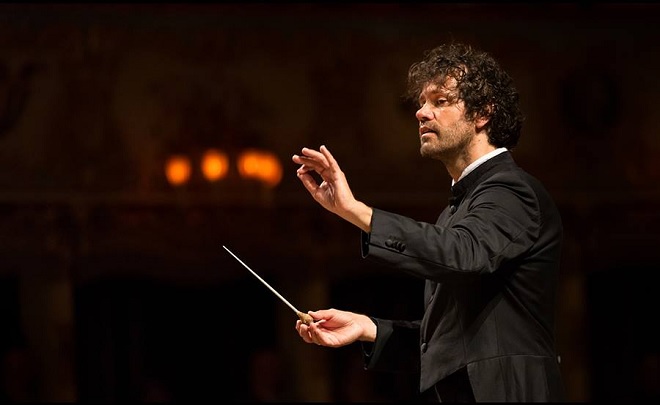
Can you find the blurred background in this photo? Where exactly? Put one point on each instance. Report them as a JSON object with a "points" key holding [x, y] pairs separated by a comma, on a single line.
{"points": [[137, 139]]}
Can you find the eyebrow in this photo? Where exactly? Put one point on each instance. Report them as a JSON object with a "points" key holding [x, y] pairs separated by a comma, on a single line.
{"points": [[442, 91]]}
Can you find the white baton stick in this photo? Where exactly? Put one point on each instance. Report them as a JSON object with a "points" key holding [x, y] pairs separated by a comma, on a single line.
{"points": [[305, 318]]}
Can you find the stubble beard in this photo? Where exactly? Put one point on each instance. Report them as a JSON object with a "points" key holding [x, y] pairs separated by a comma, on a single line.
{"points": [[445, 147], [431, 151]]}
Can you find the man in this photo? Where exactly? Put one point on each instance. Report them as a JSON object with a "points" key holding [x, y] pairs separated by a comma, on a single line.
{"points": [[490, 262]]}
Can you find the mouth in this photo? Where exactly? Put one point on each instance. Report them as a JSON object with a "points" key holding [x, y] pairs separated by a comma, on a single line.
{"points": [[425, 132]]}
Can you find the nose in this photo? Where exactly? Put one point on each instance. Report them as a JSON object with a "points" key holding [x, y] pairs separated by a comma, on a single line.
{"points": [[423, 114]]}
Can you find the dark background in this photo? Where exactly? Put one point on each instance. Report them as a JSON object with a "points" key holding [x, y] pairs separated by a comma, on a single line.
{"points": [[114, 285]]}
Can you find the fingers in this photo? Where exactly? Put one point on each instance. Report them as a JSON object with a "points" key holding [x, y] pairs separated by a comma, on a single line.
{"points": [[303, 331], [328, 156], [303, 169], [308, 164], [312, 333], [309, 182], [313, 160], [314, 154], [322, 315]]}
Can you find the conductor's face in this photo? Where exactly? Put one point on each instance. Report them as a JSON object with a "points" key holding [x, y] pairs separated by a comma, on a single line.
{"points": [[444, 131]]}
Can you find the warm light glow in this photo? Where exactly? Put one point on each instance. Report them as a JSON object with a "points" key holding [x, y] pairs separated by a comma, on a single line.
{"points": [[178, 169], [260, 165], [215, 164]]}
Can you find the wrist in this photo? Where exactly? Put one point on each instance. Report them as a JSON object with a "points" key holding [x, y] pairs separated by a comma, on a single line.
{"points": [[360, 215], [369, 329]]}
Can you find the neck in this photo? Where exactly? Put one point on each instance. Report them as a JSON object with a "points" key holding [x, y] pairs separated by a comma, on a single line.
{"points": [[477, 147]]}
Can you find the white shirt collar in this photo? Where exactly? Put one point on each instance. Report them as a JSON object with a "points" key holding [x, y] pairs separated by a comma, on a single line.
{"points": [[479, 161]]}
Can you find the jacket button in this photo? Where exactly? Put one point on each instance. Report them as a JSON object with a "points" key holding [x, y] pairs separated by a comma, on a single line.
{"points": [[388, 243], [452, 209], [425, 347]]}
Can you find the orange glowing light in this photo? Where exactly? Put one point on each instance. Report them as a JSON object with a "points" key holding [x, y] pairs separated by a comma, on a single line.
{"points": [[178, 169], [215, 164], [260, 165]]}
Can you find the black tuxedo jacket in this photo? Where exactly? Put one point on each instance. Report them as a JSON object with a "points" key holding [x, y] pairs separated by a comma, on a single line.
{"points": [[491, 265]]}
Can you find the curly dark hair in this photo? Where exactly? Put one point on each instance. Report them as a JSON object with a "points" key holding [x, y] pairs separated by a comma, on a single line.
{"points": [[483, 86]]}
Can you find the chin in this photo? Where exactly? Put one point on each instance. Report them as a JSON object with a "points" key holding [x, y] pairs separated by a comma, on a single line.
{"points": [[427, 150], [430, 152]]}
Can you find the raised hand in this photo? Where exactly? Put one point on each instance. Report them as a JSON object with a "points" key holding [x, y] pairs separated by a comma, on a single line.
{"points": [[333, 193]]}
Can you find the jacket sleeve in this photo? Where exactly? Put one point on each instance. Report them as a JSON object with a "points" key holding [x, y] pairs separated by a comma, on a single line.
{"points": [[394, 348], [498, 222]]}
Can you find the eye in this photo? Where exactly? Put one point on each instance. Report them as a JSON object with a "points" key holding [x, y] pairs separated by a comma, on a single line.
{"points": [[440, 102]]}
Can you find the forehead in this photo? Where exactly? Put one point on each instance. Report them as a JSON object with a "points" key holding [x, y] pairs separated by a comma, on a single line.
{"points": [[446, 85]]}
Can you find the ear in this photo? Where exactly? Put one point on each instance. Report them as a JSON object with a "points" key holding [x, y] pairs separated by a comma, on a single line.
{"points": [[481, 120]]}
